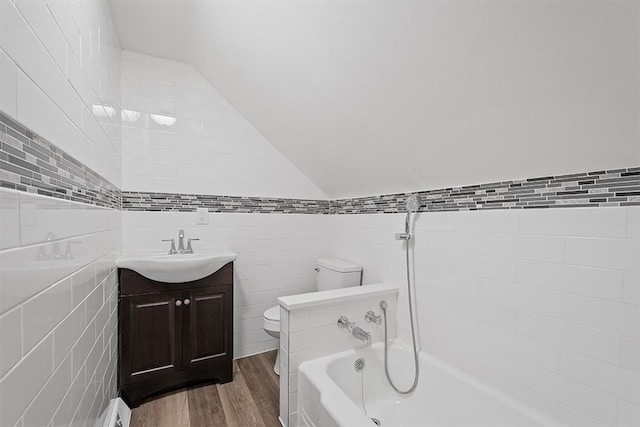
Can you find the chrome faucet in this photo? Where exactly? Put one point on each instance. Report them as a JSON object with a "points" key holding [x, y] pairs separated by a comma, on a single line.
{"points": [[356, 331], [181, 249], [361, 334], [181, 241]]}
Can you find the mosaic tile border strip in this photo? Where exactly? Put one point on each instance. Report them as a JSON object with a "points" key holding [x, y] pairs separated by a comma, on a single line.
{"points": [[620, 187], [141, 201], [32, 164]]}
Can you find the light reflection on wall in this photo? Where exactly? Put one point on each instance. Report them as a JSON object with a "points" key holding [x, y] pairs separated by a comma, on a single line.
{"points": [[101, 111], [130, 116], [163, 120]]}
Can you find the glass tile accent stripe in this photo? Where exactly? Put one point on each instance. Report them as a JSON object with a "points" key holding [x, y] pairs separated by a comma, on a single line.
{"points": [[619, 187], [32, 164]]}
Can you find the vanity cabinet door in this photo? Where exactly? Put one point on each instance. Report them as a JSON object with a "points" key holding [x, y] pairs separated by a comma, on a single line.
{"points": [[208, 329], [152, 345]]}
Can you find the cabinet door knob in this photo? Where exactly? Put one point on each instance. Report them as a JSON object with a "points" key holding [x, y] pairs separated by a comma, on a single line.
{"points": [[178, 303], [187, 302]]}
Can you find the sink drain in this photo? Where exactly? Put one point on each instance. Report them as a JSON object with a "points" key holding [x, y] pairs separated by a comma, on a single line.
{"points": [[376, 421]]}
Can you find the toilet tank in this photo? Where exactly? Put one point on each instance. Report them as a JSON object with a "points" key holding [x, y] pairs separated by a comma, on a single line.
{"points": [[335, 273]]}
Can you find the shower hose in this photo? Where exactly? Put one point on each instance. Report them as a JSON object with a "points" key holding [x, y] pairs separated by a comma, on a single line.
{"points": [[383, 306]]}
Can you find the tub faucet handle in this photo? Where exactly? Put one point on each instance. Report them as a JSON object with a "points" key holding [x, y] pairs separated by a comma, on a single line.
{"points": [[371, 317], [343, 323]]}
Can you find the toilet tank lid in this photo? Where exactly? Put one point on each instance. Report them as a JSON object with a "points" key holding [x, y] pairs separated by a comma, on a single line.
{"points": [[273, 313], [339, 265]]}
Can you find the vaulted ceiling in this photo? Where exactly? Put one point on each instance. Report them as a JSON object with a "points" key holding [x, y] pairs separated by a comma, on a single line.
{"points": [[370, 97]]}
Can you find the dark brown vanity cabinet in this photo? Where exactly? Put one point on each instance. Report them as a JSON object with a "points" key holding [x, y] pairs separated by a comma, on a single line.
{"points": [[174, 334]]}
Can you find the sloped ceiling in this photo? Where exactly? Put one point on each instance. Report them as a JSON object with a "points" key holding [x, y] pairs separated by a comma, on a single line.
{"points": [[370, 97]]}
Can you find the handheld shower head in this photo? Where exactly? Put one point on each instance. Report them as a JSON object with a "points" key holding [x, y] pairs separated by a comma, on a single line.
{"points": [[413, 203]]}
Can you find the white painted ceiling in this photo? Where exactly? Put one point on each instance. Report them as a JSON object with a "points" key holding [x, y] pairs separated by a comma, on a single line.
{"points": [[370, 97]]}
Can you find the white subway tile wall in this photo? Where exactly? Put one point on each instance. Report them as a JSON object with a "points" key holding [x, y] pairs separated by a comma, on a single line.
{"points": [[180, 136], [45, 88], [59, 77], [309, 333], [58, 313], [541, 304], [276, 257]]}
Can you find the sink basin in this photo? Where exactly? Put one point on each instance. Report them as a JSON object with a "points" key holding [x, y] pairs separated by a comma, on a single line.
{"points": [[176, 268]]}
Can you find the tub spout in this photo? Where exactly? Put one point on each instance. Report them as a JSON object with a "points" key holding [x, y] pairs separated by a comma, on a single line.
{"points": [[361, 334]]}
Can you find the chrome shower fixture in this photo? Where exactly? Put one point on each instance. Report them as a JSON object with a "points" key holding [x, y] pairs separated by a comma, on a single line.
{"points": [[356, 331], [412, 204]]}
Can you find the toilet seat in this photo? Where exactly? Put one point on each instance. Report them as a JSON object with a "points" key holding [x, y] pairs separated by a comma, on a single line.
{"points": [[272, 319], [273, 313]]}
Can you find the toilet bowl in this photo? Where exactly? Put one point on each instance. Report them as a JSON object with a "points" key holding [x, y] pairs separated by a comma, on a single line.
{"points": [[332, 274], [271, 325]]}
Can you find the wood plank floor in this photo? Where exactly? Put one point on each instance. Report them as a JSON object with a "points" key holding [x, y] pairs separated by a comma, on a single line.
{"points": [[250, 400]]}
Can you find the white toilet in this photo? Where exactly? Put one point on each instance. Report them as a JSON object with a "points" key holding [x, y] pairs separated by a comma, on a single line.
{"points": [[333, 273]]}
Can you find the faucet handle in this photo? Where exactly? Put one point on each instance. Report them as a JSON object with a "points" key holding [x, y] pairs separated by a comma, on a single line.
{"points": [[189, 249], [344, 323], [371, 317], [172, 251]]}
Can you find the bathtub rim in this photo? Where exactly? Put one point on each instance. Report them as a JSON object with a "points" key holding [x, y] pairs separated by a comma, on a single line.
{"points": [[316, 371]]}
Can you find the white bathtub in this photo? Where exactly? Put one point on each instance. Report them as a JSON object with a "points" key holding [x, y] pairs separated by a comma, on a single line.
{"points": [[330, 394]]}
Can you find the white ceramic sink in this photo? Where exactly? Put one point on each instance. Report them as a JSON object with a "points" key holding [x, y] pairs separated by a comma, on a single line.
{"points": [[176, 268]]}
